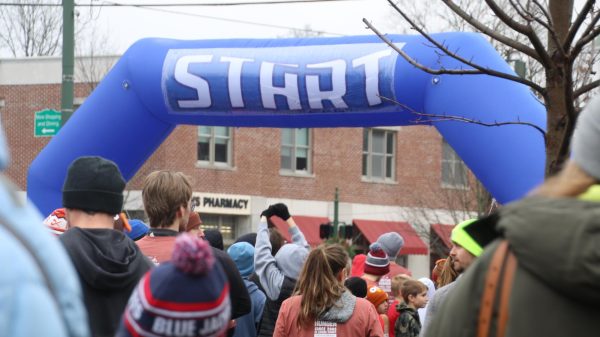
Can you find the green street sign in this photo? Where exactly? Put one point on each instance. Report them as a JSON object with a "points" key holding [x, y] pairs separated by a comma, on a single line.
{"points": [[47, 123]]}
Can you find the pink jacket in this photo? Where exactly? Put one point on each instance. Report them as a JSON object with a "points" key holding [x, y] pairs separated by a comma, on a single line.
{"points": [[341, 320]]}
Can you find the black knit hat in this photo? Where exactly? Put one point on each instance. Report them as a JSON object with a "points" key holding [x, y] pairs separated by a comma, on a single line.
{"points": [[94, 184], [357, 286]]}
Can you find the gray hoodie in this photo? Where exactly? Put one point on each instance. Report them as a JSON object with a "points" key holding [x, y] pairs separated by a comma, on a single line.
{"points": [[287, 262]]}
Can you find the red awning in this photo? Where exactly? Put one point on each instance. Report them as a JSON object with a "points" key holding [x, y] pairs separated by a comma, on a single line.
{"points": [[309, 225], [372, 229], [443, 232]]}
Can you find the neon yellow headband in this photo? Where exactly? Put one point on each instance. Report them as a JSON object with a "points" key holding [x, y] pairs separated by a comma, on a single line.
{"points": [[460, 237]]}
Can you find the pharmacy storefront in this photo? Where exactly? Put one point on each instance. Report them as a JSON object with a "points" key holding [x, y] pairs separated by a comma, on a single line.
{"points": [[227, 213]]}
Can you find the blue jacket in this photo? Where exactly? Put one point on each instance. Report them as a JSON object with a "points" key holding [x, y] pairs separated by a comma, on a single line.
{"points": [[246, 325], [40, 294]]}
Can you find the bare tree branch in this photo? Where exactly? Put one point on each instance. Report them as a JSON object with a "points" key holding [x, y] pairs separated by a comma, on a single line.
{"points": [[587, 9], [526, 30], [522, 11], [479, 69], [549, 25], [504, 17], [490, 32], [585, 88], [444, 118], [583, 41]]}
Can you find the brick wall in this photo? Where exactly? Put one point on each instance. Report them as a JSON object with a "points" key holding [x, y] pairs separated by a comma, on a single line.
{"points": [[336, 158]]}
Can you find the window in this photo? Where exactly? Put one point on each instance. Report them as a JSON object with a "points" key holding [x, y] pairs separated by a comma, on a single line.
{"points": [[379, 154], [214, 145], [295, 150], [222, 223], [454, 170]]}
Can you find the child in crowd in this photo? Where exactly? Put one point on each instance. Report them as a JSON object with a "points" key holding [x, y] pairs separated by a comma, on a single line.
{"points": [[414, 294], [242, 253], [392, 313], [430, 292], [379, 298], [357, 286]]}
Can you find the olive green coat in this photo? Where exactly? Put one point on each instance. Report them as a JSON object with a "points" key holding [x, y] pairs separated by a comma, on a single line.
{"points": [[556, 289]]}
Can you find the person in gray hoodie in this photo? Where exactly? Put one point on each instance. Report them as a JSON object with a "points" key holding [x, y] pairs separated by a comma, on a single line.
{"points": [[554, 236], [277, 274]]}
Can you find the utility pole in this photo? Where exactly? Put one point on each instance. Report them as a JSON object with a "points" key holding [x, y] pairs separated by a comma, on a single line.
{"points": [[336, 201], [68, 56]]}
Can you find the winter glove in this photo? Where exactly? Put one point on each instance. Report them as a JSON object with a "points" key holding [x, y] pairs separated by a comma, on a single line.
{"points": [[280, 210], [267, 212]]}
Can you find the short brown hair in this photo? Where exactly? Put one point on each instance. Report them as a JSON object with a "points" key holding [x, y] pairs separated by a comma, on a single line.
{"points": [[397, 282], [412, 287], [163, 193]]}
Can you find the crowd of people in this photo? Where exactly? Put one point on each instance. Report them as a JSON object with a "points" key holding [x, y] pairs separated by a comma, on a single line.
{"points": [[93, 272]]}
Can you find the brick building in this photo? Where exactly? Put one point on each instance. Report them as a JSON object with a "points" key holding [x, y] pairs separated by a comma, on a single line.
{"points": [[390, 178]]}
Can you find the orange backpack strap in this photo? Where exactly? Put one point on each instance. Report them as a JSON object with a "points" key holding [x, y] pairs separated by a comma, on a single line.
{"points": [[503, 258], [507, 283]]}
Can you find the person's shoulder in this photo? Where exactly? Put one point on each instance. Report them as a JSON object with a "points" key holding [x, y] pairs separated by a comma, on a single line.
{"points": [[445, 289], [291, 302], [293, 299], [363, 304]]}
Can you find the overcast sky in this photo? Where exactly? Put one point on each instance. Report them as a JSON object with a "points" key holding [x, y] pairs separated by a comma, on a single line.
{"points": [[125, 25]]}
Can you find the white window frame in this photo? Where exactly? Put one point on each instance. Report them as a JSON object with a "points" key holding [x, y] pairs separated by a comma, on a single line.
{"points": [[368, 175], [451, 157], [212, 150], [294, 146]]}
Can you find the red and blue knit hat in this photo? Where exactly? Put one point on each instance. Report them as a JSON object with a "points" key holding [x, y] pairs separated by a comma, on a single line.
{"points": [[188, 296]]}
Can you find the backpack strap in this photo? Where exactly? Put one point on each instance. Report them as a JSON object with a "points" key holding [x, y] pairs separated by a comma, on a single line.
{"points": [[507, 283], [503, 259]]}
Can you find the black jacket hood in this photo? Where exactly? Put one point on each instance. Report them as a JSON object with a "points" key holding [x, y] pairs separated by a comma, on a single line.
{"points": [[104, 258]]}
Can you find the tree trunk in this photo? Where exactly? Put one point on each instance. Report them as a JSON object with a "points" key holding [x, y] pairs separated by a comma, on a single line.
{"points": [[559, 86], [558, 124]]}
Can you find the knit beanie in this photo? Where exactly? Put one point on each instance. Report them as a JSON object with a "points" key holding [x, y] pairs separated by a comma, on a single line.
{"points": [[214, 238], [138, 229], [357, 286], [187, 296], [586, 139], [194, 222], [377, 262], [376, 296], [248, 237], [57, 221], [94, 184], [391, 243], [460, 237], [242, 253]]}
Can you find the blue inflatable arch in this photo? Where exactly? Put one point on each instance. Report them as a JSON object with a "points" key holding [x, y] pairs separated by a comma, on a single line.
{"points": [[295, 83]]}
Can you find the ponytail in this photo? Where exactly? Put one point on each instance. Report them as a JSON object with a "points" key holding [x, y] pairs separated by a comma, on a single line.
{"points": [[318, 283]]}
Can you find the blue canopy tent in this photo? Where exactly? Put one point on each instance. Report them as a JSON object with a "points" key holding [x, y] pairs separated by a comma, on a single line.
{"points": [[297, 83]]}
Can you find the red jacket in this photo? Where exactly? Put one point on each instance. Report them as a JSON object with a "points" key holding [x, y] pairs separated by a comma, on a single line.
{"points": [[393, 315], [157, 248]]}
